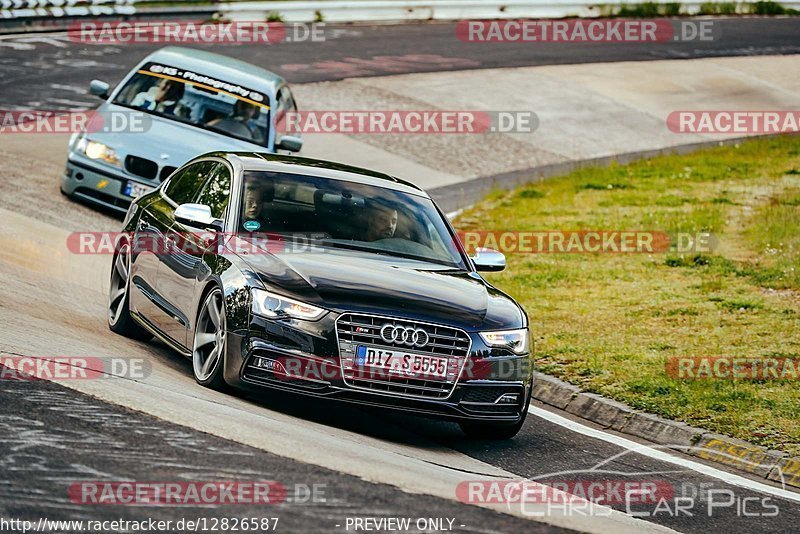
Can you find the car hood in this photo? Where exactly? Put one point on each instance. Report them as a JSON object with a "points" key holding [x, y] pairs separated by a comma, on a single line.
{"points": [[384, 285], [164, 137]]}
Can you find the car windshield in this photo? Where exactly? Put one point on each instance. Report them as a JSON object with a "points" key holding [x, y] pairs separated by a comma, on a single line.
{"points": [[348, 215], [198, 100]]}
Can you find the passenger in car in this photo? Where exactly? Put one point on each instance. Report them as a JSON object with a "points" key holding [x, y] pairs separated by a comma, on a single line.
{"points": [[256, 195]]}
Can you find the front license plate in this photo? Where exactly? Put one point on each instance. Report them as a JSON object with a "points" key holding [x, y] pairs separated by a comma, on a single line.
{"points": [[401, 363], [134, 189]]}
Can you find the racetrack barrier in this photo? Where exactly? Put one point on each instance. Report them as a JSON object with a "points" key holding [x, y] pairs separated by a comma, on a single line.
{"points": [[18, 15]]}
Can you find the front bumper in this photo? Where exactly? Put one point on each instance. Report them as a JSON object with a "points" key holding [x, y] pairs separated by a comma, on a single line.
{"points": [[99, 186], [493, 385]]}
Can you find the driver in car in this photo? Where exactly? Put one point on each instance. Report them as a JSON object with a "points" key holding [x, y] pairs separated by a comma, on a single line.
{"points": [[240, 121], [381, 221]]}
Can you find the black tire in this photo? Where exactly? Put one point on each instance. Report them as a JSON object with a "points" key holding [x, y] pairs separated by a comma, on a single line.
{"points": [[497, 431], [119, 315], [210, 338]]}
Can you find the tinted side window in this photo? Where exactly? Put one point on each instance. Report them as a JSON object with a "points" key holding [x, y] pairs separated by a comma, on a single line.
{"points": [[217, 191], [185, 185]]}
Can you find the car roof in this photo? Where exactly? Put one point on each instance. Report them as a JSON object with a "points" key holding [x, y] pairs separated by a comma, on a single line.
{"points": [[226, 68], [264, 161]]}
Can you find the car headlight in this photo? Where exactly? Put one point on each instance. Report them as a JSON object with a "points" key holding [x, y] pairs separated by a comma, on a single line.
{"points": [[271, 305], [95, 150], [514, 340]]}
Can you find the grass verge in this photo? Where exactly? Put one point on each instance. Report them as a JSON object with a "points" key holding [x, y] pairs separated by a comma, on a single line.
{"points": [[611, 322]]}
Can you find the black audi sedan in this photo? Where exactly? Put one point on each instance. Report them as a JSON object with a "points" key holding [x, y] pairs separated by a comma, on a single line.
{"points": [[322, 279]]}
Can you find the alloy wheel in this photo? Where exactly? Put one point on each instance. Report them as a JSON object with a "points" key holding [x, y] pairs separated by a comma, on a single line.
{"points": [[209, 337], [119, 284]]}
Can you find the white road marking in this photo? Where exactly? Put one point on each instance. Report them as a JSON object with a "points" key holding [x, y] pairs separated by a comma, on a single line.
{"points": [[18, 46], [66, 87], [77, 105], [651, 452], [20, 36], [56, 41], [30, 40]]}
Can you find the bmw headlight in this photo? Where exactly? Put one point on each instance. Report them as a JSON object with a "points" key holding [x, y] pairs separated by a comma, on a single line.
{"points": [[95, 150], [269, 304], [514, 340]]}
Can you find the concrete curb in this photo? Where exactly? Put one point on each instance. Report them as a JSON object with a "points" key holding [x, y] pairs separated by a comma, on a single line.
{"points": [[765, 463]]}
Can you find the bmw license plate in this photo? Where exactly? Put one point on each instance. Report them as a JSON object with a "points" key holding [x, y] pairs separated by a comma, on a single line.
{"points": [[402, 363], [134, 189]]}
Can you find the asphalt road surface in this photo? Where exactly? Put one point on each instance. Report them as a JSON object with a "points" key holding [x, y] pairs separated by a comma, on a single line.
{"points": [[52, 437], [51, 71]]}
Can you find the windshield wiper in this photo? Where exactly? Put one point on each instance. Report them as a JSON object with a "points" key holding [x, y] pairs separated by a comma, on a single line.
{"points": [[383, 252], [348, 246]]}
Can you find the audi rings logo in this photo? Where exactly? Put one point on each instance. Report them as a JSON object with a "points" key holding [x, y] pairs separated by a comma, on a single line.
{"points": [[404, 335]]}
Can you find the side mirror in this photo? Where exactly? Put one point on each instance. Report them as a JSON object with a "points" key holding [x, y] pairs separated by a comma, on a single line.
{"points": [[488, 260], [197, 215], [291, 143], [98, 88]]}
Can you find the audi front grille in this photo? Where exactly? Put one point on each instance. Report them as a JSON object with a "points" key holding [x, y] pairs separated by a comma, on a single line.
{"points": [[442, 341]]}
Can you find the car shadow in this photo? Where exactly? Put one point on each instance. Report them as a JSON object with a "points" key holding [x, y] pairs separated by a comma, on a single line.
{"points": [[369, 421], [383, 424]]}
